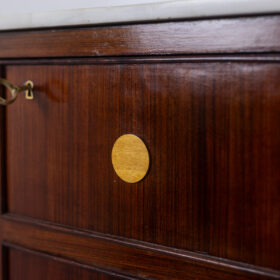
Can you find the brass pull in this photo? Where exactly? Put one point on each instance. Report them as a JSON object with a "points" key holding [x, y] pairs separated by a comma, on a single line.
{"points": [[14, 90]]}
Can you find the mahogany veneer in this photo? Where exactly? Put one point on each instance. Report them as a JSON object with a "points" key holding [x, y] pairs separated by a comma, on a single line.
{"points": [[204, 96]]}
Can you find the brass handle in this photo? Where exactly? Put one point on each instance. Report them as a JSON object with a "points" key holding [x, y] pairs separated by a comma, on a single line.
{"points": [[14, 90]]}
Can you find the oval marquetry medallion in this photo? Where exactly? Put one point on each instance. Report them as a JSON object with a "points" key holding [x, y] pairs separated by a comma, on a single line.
{"points": [[130, 158]]}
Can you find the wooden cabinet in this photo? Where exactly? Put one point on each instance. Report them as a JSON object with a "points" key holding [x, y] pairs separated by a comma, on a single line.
{"points": [[204, 96]]}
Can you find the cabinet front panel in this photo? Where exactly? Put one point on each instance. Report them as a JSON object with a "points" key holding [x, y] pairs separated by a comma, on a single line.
{"points": [[212, 131]]}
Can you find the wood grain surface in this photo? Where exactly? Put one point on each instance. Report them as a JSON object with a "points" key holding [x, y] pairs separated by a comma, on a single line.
{"points": [[233, 35], [212, 133]]}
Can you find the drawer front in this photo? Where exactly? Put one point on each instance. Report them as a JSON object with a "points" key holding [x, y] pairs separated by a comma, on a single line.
{"points": [[213, 138]]}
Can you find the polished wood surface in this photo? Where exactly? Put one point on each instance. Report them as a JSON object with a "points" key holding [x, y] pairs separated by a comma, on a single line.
{"points": [[210, 128], [209, 207], [233, 35]]}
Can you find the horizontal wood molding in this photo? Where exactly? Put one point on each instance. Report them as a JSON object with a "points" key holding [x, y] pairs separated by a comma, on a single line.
{"points": [[117, 255], [240, 58], [232, 35]]}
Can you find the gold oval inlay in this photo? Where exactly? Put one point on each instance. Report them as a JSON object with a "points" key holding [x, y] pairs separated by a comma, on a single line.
{"points": [[130, 158]]}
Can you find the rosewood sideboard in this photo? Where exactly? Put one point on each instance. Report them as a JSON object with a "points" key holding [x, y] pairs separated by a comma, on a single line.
{"points": [[203, 99]]}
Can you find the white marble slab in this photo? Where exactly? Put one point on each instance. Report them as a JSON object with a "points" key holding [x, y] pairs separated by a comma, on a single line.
{"points": [[113, 11]]}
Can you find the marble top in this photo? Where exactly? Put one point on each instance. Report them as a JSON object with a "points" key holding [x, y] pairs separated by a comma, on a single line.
{"points": [[131, 11]]}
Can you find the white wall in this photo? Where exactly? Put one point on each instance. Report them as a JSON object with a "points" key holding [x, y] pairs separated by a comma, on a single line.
{"points": [[30, 6]]}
